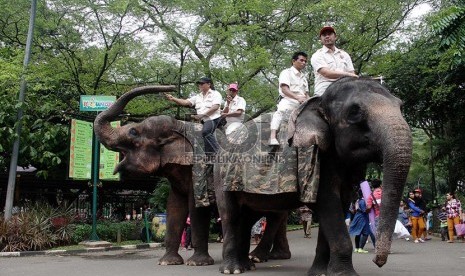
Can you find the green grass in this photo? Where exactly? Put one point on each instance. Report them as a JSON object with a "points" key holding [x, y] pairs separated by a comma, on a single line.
{"points": [[69, 247], [291, 227]]}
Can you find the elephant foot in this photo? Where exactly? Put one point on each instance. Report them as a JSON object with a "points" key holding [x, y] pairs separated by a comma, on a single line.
{"points": [[321, 271], [171, 259], [236, 267], [316, 272], [200, 259], [279, 254], [343, 273], [258, 256]]}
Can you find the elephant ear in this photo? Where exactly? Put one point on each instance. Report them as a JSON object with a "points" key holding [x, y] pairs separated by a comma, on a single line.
{"points": [[307, 126], [176, 148]]}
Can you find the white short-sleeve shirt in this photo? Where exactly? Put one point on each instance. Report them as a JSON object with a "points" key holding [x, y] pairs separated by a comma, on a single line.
{"points": [[338, 60], [203, 103], [237, 103], [297, 82]]}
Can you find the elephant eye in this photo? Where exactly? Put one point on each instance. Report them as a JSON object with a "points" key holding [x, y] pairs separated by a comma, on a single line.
{"points": [[133, 132], [355, 114]]}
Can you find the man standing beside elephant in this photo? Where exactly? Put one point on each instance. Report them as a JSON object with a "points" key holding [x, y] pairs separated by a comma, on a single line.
{"points": [[207, 104], [330, 63], [293, 90]]}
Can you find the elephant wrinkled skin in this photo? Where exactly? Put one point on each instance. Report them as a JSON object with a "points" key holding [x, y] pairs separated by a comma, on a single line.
{"points": [[356, 121], [159, 145], [156, 146]]}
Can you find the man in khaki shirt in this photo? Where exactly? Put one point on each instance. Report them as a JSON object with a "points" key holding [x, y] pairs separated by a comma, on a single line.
{"points": [[330, 63]]}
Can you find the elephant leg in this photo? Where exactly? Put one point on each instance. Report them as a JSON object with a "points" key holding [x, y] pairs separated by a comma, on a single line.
{"points": [[200, 223], [177, 211], [280, 250], [334, 230], [320, 263], [272, 245], [236, 235]]}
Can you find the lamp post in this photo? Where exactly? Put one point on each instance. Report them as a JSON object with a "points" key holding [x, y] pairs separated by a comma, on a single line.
{"points": [[15, 152], [95, 179]]}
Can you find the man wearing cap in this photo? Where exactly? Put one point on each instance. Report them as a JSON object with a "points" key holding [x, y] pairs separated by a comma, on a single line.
{"points": [[330, 63], [207, 104], [293, 90], [234, 109]]}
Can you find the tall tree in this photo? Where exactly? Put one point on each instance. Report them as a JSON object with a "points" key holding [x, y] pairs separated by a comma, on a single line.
{"points": [[450, 24]]}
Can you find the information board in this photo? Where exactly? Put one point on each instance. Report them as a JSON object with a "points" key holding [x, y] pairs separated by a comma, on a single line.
{"points": [[108, 161], [80, 157]]}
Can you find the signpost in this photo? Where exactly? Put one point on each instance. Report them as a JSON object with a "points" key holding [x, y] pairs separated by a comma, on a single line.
{"points": [[95, 103]]}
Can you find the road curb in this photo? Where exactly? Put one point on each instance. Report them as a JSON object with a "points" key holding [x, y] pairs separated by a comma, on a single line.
{"points": [[80, 251]]}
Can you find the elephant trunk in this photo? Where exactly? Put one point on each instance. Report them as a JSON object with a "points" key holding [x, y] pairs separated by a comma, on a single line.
{"points": [[106, 134], [396, 145]]}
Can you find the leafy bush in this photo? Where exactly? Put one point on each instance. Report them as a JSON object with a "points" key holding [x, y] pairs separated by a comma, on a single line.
{"points": [[36, 228], [81, 233], [293, 218], [159, 197], [107, 231]]}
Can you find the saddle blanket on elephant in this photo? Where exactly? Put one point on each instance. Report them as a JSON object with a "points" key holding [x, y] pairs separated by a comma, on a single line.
{"points": [[202, 166], [251, 165]]}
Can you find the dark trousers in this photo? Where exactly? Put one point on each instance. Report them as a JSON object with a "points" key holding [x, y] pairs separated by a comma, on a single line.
{"points": [[209, 140], [360, 241], [444, 234], [188, 237]]}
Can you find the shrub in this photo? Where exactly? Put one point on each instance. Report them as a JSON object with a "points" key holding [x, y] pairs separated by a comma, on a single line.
{"points": [[32, 229], [81, 233], [130, 230], [293, 218]]}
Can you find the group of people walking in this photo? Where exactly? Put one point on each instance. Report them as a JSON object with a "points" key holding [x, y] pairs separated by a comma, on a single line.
{"points": [[413, 214], [360, 224], [418, 218]]}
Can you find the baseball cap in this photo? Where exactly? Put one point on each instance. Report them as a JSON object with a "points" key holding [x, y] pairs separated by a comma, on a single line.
{"points": [[204, 80], [417, 191], [233, 86], [327, 28]]}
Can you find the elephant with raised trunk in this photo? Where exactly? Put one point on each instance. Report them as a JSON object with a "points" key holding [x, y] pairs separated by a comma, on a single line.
{"points": [[160, 145], [356, 122], [157, 146]]}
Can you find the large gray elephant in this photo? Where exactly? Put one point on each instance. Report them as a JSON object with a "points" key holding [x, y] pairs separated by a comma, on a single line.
{"points": [[160, 145], [356, 121], [157, 146]]}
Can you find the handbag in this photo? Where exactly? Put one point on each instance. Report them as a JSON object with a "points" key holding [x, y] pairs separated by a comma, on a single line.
{"points": [[460, 229]]}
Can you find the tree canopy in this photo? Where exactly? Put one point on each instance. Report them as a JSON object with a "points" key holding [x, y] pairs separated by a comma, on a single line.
{"points": [[107, 47]]}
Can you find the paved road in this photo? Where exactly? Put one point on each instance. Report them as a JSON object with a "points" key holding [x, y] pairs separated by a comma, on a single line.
{"points": [[431, 258]]}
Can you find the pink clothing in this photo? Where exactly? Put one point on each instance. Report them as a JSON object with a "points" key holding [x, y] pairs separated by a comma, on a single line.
{"points": [[183, 238], [377, 197], [453, 208]]}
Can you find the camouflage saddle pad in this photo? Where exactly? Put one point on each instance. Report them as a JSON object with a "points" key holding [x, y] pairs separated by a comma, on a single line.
{"points": [[202, 168], [251, 165]]}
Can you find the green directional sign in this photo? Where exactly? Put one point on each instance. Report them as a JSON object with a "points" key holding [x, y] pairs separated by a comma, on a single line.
{"points": [[95, 102]]}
